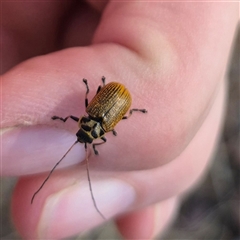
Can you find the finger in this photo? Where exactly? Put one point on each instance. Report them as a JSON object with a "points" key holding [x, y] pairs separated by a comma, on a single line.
{"points": [[99, 6], [67, 192], [64, 206], [22, 40], [147, 223], [74, 32], [62, 26]]}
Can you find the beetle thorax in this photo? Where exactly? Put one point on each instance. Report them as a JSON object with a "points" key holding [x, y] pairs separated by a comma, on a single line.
{"points": [[90, 129]]}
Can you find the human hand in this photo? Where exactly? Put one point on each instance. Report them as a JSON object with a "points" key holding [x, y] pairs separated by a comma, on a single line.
{"points": [[171, 56]]}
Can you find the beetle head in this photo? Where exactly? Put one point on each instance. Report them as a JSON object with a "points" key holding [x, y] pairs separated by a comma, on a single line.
{"points": [[90, 129]]}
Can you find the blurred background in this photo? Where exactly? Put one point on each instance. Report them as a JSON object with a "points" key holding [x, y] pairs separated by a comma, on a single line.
{"points": [[212, 210]]}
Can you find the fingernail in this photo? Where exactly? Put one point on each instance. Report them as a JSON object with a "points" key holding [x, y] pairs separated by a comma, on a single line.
{"points": [[29, 150], [71, 210]]}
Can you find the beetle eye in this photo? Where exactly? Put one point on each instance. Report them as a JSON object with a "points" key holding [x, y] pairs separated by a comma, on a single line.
{"points": [[86, 128], [94, 134], [101, 132], [85, 120]]}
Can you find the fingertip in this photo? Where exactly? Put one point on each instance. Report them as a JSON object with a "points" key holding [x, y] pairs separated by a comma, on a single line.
{"points": [[29, 150], [64, 206], [26, 215]]}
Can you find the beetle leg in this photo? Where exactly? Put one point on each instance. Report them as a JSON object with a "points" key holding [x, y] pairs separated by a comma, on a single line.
{"points": [[66, 118], [103, 80], [86, 99], [134, 110], [99, 88], [95, 144], [114, 132]]}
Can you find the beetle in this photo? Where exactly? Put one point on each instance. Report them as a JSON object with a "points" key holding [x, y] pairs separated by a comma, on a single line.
{"points": [[107, 108]]}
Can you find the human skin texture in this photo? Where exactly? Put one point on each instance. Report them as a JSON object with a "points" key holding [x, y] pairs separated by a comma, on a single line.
{"points": [[172, 57]]}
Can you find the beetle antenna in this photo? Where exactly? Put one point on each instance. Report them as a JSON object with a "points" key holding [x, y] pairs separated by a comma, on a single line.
{"points": [[52, 171], [90, 185]]}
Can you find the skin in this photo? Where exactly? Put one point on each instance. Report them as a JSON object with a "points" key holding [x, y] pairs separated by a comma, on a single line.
{"points": [[171, 56]]}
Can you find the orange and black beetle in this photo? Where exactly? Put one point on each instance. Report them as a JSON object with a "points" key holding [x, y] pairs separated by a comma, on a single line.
{"points": [[106, 109]]}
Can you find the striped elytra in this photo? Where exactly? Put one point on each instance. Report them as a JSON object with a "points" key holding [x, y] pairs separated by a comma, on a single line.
{"points": [[111, 104]]}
